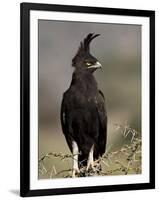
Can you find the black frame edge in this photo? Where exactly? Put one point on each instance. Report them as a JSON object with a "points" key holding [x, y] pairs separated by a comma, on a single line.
{"points": [[152, 99], [98, 10], [24, 102], [93, 189]]}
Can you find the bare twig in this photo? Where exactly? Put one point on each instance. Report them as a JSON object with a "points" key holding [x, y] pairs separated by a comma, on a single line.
{"points": [[130, 162]]}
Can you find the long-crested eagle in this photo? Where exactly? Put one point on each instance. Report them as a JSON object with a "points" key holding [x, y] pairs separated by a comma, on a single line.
{"points": [[83, 113]]}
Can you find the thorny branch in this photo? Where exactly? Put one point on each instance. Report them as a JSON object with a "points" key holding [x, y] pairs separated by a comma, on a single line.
{"points": [[126, 160]]}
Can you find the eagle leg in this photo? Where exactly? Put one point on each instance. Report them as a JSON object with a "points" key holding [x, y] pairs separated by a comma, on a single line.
{"points": [[90, 162], [75, 159]]}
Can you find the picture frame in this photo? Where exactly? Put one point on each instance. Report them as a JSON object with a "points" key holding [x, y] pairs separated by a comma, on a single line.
{"points": [[29, 16]]}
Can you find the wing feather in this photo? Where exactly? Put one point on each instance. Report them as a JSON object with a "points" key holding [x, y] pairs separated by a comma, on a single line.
{"points": [[65, 122], [102, 115]]}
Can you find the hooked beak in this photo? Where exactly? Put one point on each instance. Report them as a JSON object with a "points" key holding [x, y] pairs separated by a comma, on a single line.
{"points": [[96, 65]]}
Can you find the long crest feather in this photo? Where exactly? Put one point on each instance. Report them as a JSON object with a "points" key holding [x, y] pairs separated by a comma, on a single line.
{"points": [[84, 46], [88, 39]]}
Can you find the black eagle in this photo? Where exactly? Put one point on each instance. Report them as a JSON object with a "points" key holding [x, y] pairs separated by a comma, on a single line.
{"points": [[83, 113]]}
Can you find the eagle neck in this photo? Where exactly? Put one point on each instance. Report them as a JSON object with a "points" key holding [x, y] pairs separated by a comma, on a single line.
{"points": [[84, 80]]}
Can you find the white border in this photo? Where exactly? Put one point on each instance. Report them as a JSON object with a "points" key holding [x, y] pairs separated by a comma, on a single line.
{"points": [[91, 181]]}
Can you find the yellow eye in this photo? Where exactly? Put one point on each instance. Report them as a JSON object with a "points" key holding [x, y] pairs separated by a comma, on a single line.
{"points": [[88, 63]]}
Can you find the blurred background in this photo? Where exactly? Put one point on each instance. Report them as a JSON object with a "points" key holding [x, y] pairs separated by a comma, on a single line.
{"points": [[119, 51]]}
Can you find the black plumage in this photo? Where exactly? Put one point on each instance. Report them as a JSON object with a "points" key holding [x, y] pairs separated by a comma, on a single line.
{"points": [[83, 113]]}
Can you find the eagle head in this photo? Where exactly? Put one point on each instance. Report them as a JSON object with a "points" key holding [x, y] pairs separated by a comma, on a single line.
{"points": [[83, 59]]}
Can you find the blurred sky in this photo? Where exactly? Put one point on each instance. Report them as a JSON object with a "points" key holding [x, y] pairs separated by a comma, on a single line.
{"points": [[118, 50]]}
